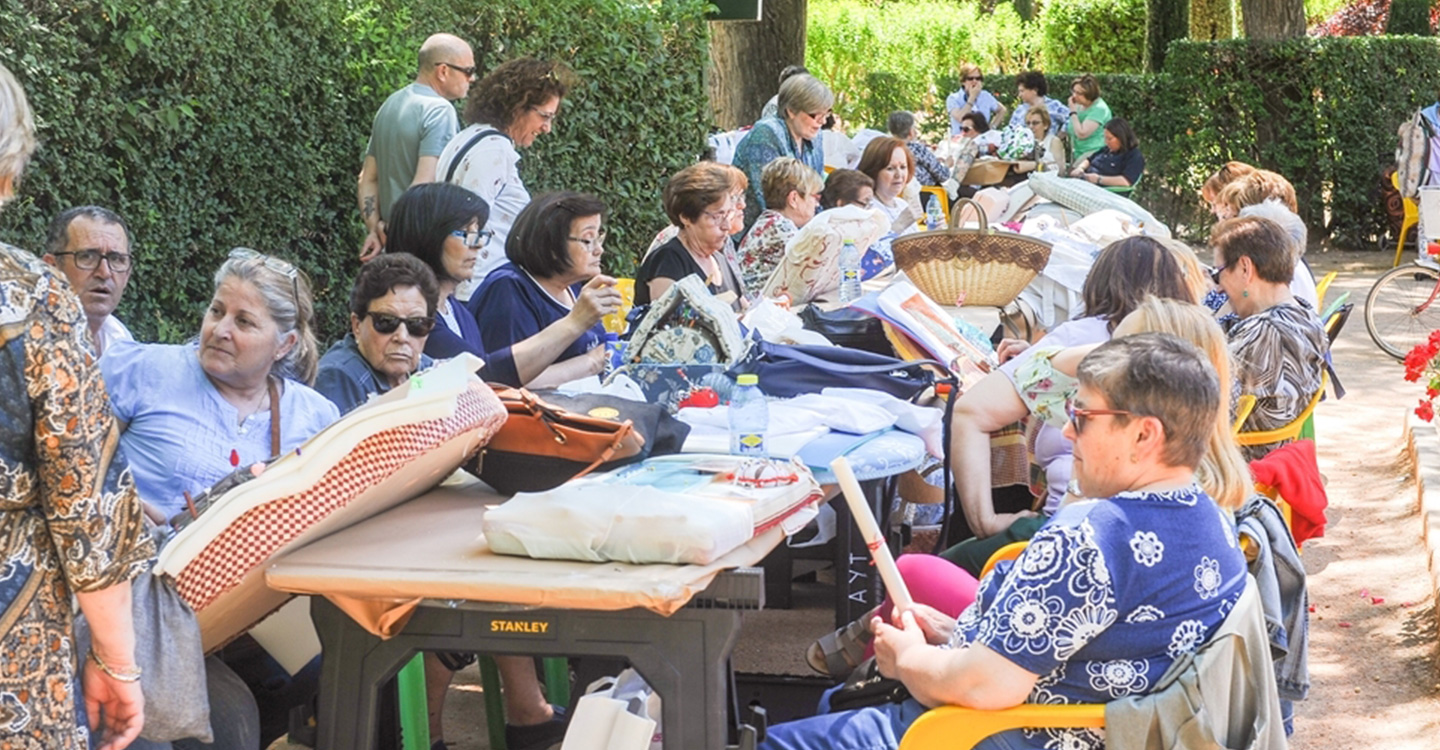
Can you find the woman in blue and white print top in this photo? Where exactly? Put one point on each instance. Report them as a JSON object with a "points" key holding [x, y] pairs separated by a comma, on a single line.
{"points": [[1107, 595]]}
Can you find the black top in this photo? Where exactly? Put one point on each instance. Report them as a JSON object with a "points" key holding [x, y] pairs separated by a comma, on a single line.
{"points": [[1129, 164], [672, 261]]}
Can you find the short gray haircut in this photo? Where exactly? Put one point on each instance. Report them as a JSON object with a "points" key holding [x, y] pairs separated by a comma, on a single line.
{"points": [[290, 305], [17, 127], [1275, 210], [1162, 376], [58, 234], [900, 124], [804, 93]]}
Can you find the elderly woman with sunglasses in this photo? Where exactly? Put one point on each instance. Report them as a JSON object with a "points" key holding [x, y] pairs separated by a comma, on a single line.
{"points": [[700, 201], [1134, 578], [553, 279], [804, 106], [192, 413], [392, 309]]}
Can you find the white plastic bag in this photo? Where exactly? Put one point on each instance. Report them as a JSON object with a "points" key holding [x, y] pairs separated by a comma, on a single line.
{"points": [[616, 713]]}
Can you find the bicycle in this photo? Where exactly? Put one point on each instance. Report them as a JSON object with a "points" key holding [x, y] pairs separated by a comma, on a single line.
{"points": [[1403, 307]]}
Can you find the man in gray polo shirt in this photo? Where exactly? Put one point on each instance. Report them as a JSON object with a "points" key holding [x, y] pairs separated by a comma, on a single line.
{"points": [[410, 131]]}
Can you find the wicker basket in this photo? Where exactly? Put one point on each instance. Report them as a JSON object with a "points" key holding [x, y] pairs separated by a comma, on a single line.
{"points": [[970, 266]]}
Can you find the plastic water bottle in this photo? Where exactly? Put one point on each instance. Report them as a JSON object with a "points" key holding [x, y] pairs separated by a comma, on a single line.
{"points": [[934, 217], [849, 272], [749, 418], [614, 352]]}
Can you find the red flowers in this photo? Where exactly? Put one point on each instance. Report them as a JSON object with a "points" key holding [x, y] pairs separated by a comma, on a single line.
{"points": [[1424, 362]]}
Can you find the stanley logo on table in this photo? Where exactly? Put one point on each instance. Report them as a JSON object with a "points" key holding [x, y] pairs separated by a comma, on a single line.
{"points": [[522, 627]]}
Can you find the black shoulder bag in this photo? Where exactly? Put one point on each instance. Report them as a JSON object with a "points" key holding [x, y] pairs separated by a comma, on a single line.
{"points": [[455, 163]]}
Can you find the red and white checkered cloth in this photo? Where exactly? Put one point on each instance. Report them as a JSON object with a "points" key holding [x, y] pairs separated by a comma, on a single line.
{"points": [[260, 532]]}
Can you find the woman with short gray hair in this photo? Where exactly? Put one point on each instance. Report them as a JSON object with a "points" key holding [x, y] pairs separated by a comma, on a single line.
{"points": [[804, 105]]}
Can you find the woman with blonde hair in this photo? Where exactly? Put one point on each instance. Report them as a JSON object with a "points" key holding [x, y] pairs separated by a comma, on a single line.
{"points": [[1230, 172], [792, 194], [972, 97]]}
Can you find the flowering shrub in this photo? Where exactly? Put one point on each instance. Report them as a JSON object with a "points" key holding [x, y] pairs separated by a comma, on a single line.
{"points": [[1422, 363], [1360, 18]]}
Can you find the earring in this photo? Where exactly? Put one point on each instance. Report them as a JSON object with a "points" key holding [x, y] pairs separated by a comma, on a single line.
{"points": [[1245, 293]]}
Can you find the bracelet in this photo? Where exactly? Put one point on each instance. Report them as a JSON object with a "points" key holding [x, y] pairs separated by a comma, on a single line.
{"points": [[129, 675]]}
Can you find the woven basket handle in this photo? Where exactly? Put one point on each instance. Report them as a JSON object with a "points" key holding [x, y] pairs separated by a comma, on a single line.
{"points": [[980, 212]]}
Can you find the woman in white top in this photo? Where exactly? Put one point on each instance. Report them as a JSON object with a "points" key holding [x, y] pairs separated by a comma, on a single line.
{"points": [[507, 110], [890, 164]]}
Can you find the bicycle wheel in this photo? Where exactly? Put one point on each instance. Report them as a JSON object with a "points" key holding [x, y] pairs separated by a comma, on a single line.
{"points": [[1392, 309]]}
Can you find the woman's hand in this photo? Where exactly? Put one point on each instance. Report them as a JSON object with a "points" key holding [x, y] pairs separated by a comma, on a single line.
{"points": [[892, 642], [1094, 179], [598, 298], [999, 522], [116, 709], [1009, 348], [936, 625]]}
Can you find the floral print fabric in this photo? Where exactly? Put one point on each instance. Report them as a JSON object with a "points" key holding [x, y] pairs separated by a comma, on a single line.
{"points": [[1106, 596], [764, 246], [68, 507]]}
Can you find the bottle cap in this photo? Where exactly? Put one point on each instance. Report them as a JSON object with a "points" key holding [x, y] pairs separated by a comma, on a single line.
{"points": [[747, 379]]}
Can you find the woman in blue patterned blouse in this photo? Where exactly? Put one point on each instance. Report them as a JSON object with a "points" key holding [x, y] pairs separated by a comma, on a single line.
{"points": [[1106, 596]]}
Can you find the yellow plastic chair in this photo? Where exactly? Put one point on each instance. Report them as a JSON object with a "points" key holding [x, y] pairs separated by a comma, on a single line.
{"points": [[1008, 552], [1412, 218], [1242, 411], [1289, 431], [955, 728], [938, 194], [1323, 287], [615, 322]]}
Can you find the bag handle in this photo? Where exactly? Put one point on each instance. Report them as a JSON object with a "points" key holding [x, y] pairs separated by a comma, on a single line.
{"points": [[980, 212], [455, 163], [819, 363]]}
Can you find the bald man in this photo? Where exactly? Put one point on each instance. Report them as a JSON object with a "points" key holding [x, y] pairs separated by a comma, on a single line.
{"points": [[410, 131]]}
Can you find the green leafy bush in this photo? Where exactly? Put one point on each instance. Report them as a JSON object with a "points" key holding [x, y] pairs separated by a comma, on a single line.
{"points": [[1098, 36], [1409, 17], [215, 123], [904, 54]]}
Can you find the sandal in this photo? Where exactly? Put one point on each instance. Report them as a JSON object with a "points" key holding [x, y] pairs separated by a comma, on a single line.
{"points": [[837, 654]]}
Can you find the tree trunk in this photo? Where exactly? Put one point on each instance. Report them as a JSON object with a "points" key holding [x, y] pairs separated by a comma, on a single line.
{"points": [[1211, 20], [746, 58], [1165, 21], [1273, 19]]}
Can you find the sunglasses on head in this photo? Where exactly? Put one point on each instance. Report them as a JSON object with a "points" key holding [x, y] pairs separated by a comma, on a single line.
{"points": [[1078, 416], [386, 324]]}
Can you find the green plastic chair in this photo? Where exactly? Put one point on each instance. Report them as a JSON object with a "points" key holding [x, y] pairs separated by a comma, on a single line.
{"points": [[1125, 190]]}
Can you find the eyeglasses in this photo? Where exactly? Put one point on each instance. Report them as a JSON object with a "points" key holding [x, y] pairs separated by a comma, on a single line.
{"points": [[545, 117], [1078, 416], [89, 260], [974, 78], [386, 324], [283, 267], [468, 71], [819, 116], [1215, 273], [722, 217], [474, 238], [966, 129], [1033, 123], [591, 244]]}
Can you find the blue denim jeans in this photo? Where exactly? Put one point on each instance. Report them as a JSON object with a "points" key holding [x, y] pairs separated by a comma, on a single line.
{"points": [[871, 728]]}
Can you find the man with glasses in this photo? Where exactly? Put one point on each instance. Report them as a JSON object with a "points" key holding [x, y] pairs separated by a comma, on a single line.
{"points": [[91, 246], [410, 130]]}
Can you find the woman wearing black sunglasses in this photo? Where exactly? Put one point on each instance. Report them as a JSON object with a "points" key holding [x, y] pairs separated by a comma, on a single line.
{"points": [[392, 310]]}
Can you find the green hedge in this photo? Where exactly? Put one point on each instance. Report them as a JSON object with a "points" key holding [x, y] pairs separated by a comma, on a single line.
{"points": [[1286, 107], [215, 123], [1094, 35]]}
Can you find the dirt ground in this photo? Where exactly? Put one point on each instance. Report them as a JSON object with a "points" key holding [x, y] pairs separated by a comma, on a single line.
{"points": [[1373, 643]]}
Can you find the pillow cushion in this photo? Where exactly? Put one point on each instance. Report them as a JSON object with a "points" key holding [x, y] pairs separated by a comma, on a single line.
{"points": [[1087, 199]]}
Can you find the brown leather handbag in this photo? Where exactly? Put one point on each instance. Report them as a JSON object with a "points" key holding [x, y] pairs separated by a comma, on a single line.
{"points": [[541, 445]]}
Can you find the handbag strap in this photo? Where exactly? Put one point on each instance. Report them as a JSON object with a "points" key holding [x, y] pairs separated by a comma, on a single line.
{"points": [[455, 163], [979, 213], [946, 427], [809, 359], [626, 428], [274, 416]]}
